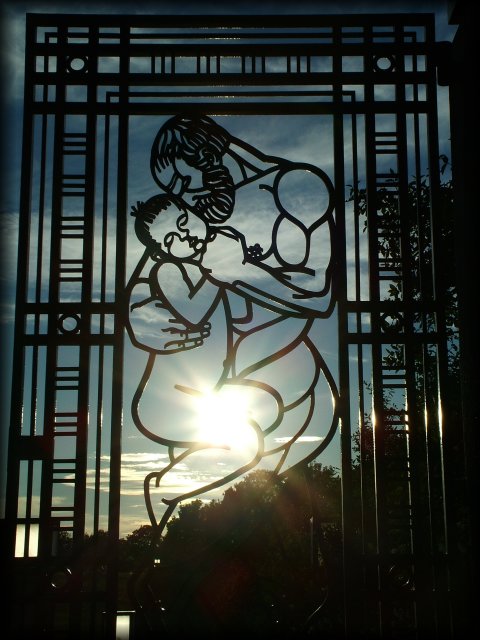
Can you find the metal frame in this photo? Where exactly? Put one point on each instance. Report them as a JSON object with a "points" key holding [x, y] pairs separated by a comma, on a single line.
{"points": [[86, 75]]}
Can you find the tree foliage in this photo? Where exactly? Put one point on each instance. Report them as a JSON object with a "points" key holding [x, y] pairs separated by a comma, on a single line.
{"points": [[262, 558], [417, 241]]}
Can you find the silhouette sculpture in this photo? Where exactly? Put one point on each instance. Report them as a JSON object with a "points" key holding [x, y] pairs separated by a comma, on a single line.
{"points": [[236, 273]]}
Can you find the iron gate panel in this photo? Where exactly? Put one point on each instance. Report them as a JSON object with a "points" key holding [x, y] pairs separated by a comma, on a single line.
{"points": [[93, 86]]}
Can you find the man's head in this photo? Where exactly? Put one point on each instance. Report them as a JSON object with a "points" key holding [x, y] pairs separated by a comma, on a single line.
{"points": [[186, 161]]}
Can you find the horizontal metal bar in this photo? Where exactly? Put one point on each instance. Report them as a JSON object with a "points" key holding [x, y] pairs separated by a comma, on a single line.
{"points": [[204, 48], [184, 21], [317, 79], [236, 108], [392, 337], [94, 339]]}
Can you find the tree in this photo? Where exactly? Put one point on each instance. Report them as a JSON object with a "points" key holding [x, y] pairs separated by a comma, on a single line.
{"points": [[253, 561]]}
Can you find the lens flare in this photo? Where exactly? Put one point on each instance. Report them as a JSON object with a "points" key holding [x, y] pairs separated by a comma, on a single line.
{"points": [[224, 419]]}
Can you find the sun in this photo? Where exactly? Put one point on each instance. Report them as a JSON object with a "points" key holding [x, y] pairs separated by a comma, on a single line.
{"points": [[224, 419]]}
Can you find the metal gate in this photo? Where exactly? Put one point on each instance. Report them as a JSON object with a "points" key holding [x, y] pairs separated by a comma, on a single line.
{"points": [[349, 100]]}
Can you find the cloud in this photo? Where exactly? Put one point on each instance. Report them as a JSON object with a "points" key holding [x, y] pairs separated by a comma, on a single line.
{"points": [[135, 466], [33, 504], [8, 261], [12, 52], [300, 440], [141, 458]]}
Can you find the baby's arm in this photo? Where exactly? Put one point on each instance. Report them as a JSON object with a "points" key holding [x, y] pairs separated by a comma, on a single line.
{"points": [[185, 291], [168, 312], [151, 326]]}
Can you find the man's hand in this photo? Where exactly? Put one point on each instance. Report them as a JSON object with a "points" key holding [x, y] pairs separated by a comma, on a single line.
{"points": [[153, 327], [183, 338]]}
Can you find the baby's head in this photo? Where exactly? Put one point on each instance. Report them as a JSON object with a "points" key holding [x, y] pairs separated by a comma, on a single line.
{"points": [[168, 230]]}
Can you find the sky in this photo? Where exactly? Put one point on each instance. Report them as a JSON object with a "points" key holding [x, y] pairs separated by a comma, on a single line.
{"points": [[136, 462]]}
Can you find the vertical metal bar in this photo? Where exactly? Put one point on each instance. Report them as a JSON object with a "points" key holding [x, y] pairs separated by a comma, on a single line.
{"points": [[117, 373], [416, 433], [41, 211], [101, 352], [464, 118], [451, 603], [374, 297], [350, 561], [18, 361]]}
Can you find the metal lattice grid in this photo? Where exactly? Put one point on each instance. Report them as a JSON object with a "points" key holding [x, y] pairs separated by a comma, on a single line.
{"points": [[365, 86]]}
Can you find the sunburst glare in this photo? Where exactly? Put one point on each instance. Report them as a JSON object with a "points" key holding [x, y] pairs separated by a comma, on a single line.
{"points": [[224, 419]]}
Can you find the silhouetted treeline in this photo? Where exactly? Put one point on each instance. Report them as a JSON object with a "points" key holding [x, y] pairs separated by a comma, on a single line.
{"points": [[261, 559]]}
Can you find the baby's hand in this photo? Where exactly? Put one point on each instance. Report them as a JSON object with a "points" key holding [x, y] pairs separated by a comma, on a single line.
{"points": [[137, 209]]}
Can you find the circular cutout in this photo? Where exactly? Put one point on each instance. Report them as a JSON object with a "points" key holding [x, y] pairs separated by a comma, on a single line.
{"points": [[69, 323], [391, 322], [400, 576], [61, 578], [384, 63], [77, 64]]}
